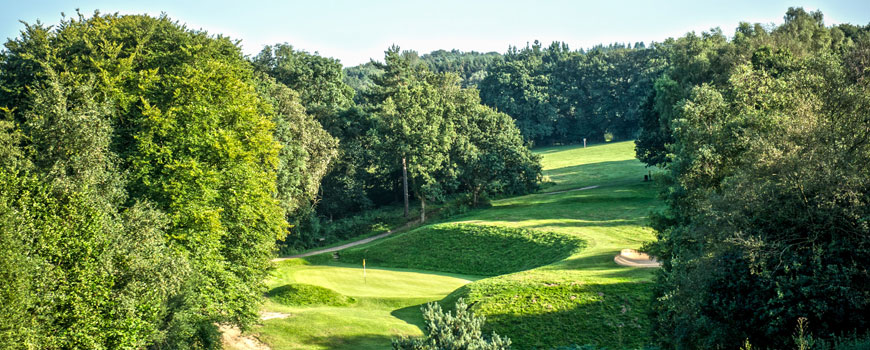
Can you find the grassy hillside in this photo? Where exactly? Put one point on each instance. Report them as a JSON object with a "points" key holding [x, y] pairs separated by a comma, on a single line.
{"points": [[585, 298], [552, 298], [469, 249]]}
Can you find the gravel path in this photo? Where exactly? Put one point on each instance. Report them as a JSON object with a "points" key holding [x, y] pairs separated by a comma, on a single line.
{"points": [[346, 245]]}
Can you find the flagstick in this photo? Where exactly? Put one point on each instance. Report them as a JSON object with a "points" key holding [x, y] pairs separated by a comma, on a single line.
{"points": [[364, 271]]}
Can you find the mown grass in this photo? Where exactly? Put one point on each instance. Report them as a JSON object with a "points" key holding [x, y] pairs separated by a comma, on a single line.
{"points": [[387, 305], [582, 298], [467, 249]]}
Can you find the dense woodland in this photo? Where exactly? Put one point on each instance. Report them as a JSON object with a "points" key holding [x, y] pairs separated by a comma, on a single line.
{"points": [[764, 139], [148, 172]]}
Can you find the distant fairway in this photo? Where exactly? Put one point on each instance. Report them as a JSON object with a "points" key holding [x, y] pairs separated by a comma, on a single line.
{"points": [[581, 298]]}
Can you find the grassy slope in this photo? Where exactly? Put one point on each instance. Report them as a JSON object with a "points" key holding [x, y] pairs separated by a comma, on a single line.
{"points": [[582, 299], [471, 249], [579, 299]]}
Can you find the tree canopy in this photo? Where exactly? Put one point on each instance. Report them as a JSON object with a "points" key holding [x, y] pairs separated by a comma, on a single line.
{"points": [[764, 142]]}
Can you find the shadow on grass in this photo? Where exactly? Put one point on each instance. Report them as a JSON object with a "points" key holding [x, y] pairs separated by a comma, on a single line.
{"points": [[608, 315], [411, 314], [615, 169], [351, 342]]}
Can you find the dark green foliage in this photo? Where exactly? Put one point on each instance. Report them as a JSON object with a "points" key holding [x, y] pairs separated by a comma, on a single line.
{"points": [[319, 80], [306, 152], [767, 188], [852, 342], [451, 144], [457, 330], [468, 249], [558, 96], [360, 77], [299, 294], [471, 67]]}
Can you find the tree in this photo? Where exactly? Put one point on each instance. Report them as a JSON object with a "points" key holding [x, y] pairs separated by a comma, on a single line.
{"points": [[458, 330], [307, 151], [138, 126], [412, 122], [766, 194], [318, 80], [74, 256]]}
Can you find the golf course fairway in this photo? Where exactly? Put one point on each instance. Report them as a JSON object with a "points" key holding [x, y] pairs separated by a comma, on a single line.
{"points": [[596, 202]]}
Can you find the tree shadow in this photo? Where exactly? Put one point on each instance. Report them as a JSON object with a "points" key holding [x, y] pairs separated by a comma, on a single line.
{"points": [[351, 342], [600, 173], [410, 314], [608, 315]]}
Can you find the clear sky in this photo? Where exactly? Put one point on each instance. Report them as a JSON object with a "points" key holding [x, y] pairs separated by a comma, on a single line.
{"points": [[355, 31]]}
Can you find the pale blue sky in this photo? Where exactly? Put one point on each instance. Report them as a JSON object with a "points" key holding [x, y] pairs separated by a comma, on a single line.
{"points": [[354, 31]]}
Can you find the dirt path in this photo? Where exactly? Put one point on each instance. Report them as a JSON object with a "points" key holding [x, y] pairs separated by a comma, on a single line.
{"points": [[385, 234], [348, 245], [233, 339]]}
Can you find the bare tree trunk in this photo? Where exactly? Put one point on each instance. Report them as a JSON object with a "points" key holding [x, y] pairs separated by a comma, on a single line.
{"points": [[422, 209], [405, 184], [474, 196]]}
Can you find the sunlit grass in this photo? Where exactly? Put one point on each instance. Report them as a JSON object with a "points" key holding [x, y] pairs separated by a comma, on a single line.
{"points": [[584, 298]]}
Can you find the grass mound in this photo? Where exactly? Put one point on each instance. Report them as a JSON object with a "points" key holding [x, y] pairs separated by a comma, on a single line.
{"points": [[297, 294], [468, 249], [544, 315]]}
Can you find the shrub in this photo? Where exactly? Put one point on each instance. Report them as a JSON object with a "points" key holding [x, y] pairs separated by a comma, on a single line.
{"points": [[452, 331]]}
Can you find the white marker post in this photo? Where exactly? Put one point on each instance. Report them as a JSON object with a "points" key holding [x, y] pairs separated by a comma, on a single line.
{"points": [[584, 142]]}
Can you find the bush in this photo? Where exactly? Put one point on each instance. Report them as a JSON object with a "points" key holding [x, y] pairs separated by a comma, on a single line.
{"points": [[459, 330]]}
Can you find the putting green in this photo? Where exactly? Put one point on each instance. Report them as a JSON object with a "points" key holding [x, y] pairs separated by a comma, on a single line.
{"points": [[387, 306]]}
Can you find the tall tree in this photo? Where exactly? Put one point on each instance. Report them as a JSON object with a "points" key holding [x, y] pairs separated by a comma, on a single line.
{"points": [[159, 124], [412, 121]]}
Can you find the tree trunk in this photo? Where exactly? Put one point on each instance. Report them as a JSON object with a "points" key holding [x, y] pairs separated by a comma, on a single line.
{"points": [[405, 184], [474, 197], [422, 209]]}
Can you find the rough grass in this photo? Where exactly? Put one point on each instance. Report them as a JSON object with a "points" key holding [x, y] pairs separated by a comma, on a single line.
{"points": [[468, 249], [298, 294]]}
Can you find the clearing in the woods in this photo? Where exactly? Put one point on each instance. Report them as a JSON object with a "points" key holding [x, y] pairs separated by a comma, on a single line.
{"points": [[540, 267]]}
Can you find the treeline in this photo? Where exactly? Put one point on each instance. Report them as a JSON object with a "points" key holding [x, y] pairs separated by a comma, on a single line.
{"points": [[147, 171], [555, 94], [765, 139], [450, 144], [560, 96], [471, 67]]}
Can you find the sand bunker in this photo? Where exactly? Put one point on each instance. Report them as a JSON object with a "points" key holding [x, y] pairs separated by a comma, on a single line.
{"points": [[634, 258]]}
